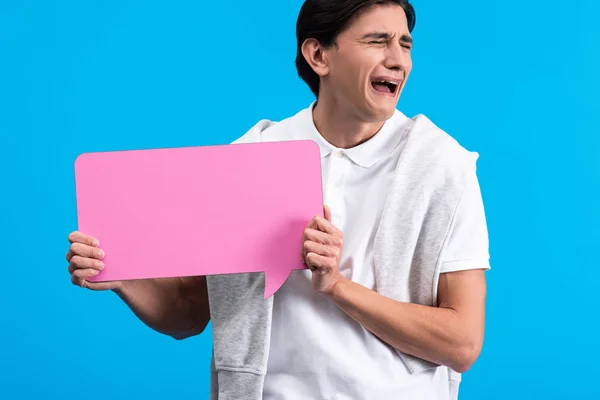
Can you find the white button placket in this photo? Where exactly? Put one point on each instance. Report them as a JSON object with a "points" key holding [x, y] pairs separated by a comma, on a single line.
{"points": [[335, 187]]}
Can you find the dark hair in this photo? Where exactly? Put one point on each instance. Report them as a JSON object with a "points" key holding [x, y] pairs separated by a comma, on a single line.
{"points": [[324, 20]]}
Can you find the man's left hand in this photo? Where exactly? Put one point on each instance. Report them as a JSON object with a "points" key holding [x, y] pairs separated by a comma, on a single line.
{"points": [[322, 246]]}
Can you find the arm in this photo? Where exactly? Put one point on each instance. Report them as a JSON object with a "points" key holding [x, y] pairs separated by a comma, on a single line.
{"points": [[451, 334], [177, 307]]}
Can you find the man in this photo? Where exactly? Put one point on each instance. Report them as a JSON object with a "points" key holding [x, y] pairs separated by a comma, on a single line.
{"points": [[392, 305]]}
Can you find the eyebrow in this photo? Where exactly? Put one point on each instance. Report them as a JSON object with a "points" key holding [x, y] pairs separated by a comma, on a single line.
{"points": [[383, 35]]}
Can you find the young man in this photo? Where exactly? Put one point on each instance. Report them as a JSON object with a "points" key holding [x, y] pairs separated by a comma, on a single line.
{"points": [[392, 305]]}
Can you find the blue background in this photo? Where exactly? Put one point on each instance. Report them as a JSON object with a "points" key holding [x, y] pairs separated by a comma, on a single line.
{"points": [[517, 82]]}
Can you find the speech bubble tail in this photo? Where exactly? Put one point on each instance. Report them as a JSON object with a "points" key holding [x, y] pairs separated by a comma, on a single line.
{"points": [[274, 280]]}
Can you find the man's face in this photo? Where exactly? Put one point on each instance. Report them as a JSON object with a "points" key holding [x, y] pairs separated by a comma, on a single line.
{"points": [[369, 66]]}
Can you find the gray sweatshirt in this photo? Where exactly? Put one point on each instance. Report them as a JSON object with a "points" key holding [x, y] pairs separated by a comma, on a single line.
{"points": [[414, 229]]}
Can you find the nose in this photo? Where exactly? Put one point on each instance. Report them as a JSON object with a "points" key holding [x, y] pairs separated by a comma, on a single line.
{"points": [[398, 58]]}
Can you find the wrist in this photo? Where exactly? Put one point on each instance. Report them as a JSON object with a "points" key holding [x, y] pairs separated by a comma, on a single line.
{"points": [[338, 287], [119, 288]]}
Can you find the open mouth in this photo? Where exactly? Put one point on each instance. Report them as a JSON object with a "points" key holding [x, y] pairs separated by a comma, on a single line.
{"points": [[385, 86]]}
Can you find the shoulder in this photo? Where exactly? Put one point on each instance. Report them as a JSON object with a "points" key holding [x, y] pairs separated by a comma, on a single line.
{"points": [[266, 130], [254, 134], [435, 145]]}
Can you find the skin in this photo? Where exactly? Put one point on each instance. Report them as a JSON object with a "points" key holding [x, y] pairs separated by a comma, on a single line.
{"points": [[177, 307], [348, 112]]}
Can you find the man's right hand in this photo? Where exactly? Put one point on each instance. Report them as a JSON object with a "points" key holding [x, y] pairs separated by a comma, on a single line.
{"points": [[177, 307], [85, 260]]}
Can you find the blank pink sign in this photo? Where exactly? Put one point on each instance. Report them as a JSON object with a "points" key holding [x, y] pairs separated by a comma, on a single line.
{"points": [[200, 210]]}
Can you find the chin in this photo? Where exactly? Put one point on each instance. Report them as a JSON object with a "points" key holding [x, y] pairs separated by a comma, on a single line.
{"points": [[380, 110], [388, 112]]}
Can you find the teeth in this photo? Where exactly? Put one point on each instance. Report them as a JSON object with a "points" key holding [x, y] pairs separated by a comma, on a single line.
{"points": [[392, 82]]}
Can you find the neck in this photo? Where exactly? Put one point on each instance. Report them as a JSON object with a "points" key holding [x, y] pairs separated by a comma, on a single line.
{"points": [[340, 126]]}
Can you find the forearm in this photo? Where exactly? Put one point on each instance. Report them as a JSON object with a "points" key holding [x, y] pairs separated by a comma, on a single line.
{"points": [[432, 333], [172, 306]]}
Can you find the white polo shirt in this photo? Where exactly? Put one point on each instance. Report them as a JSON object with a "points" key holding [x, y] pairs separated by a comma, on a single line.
{"points": [[319, 352]]}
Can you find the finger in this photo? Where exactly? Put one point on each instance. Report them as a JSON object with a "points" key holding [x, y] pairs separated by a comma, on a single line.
{"points": [[312, 224], [78, 237], [84, 250], [79, 276], [78, 262], [321, 249], [327, 213], [322, 237], [320, 262], [325, 226]]}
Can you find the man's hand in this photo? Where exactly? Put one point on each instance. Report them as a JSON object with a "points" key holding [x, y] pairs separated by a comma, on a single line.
{"points": [[84, 258], [177, 307], [321, 251]]}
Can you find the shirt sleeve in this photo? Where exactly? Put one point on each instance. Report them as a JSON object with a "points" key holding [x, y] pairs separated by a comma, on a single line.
{"points": [[468, 246]]}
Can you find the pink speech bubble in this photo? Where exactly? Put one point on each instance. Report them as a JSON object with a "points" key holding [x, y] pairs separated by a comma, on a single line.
{"points": [[200, 210]]}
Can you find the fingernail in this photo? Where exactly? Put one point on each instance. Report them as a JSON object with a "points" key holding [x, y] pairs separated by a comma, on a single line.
{"points": [[95, 243], [100, 253], [100, 265], [95, 272]]}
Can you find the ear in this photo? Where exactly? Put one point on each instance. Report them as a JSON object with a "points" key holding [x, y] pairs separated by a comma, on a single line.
{"points": [[316, 56]]}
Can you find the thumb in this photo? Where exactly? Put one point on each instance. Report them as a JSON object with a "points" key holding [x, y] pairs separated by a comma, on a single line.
{"points": [[327, 213], [101, 286]]}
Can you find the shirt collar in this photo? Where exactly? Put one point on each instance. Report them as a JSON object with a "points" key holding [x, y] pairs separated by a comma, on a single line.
{"points": [[370, 152]]}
